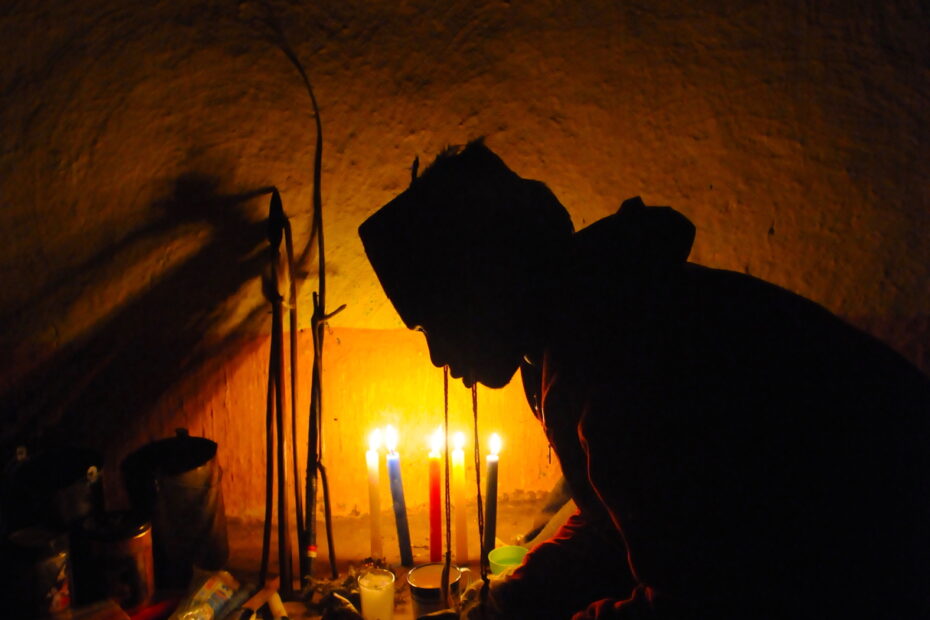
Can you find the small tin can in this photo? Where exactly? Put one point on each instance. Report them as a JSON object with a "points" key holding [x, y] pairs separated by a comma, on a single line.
{"points": [[120, 549], [38, 571]]}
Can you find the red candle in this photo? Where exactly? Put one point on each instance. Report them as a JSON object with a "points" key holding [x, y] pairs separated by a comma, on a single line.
{"points": [[435, 511]]}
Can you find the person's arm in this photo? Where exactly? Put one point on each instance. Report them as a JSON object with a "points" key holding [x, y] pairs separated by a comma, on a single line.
{"points": [[637, 607], [584, 561]]}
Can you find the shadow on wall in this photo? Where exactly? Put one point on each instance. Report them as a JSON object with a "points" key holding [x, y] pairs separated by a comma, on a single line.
{"points": [[101, 387]]}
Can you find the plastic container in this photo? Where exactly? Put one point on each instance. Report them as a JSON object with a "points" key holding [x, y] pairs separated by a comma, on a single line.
{"points": [[503, 558], [210, 598]]}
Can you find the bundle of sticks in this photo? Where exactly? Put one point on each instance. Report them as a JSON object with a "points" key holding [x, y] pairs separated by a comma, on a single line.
{"points": [[278, 228], [277, 440]]}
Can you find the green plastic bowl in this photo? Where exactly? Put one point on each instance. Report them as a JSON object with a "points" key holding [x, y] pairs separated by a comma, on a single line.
{"points": [[503, 558]]}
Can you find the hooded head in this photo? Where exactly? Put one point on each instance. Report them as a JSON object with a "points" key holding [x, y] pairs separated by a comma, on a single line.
{"points": [[462, 253]]}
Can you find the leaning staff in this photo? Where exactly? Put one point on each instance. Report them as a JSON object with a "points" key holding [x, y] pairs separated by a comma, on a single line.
{"points": [[274, 421]]}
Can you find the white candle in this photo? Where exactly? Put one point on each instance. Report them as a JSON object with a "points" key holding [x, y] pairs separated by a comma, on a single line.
{"points": [[374, 497], [458, 497]]}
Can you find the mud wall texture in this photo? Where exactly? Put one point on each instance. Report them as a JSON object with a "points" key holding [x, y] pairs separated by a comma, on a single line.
{"points": [[139, 140]]}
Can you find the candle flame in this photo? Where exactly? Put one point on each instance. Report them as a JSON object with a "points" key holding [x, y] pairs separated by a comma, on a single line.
{"points": [[494, 445], [374, 440], [458, 440], [435, 441], [390, 438]]}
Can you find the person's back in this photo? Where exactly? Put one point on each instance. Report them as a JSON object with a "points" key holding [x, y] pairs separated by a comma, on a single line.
{"points": [[762, 458]]}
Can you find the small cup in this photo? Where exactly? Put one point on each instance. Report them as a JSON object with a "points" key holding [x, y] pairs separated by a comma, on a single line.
{"points": [[376, 587], [505, 557], [426, 586]]}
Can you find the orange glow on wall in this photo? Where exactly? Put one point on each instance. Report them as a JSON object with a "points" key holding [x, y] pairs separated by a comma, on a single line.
{"points": [[372, 379], [378, 377], [133, 233]]}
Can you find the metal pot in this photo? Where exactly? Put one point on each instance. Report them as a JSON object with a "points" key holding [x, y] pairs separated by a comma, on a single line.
{"points": [[178, 484]]}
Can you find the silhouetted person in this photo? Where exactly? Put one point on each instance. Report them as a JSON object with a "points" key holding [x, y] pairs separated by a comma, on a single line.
{"points": [[736, 451]]}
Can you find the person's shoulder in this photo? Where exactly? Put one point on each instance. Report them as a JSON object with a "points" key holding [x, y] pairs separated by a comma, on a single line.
{"points": [[760, 300]]}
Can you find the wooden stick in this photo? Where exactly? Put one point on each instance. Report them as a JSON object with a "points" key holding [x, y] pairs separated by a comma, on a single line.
{"points": [[292, 314], [269, 468], [276, 221], [447, 565], [270, 290], [483, 560], [328, 522]]}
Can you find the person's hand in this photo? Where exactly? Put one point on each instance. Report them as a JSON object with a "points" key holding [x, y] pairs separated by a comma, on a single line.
{"points": [[479, 605], [471, 600], [469, 608]]}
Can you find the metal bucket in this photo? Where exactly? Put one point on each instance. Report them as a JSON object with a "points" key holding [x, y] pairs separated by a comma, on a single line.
{"points": [[178, 484], [119, 559]]}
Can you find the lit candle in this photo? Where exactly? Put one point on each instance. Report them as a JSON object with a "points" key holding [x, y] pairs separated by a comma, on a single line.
{"points": [[458, 495], [397, 494], [374, 498], [490, 510], [435, 512]]}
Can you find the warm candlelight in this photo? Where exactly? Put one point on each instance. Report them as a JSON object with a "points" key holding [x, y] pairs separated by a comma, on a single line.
{"points": [[490, 519], [374, 497], [397, 494], [435, 512], [458, 495]]}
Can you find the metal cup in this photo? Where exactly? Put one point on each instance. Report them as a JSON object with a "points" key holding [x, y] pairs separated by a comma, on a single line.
{"points": [[425, 582]]}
